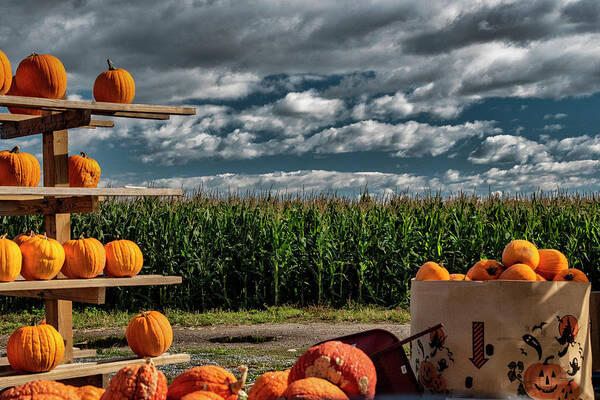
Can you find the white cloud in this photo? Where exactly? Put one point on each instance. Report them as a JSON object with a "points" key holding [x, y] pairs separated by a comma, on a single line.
{"points": [[553, 127], [307, 104], [509, 149], [555, 116]]}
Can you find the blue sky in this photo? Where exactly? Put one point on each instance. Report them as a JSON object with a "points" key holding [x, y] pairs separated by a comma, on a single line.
{"points": [[322, 96]]}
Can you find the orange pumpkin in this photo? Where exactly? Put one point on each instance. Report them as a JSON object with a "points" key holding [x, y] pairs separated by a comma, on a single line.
{"points": [[485, 270], [269, 386], [5, 73], [543, 380], [41, 390], [540, 278], [459, 277], [114, 86], [10, 260], [19, 169], [43, 258], [84, 258], [42, 75], [23, 237], [314, 389], [568, 391], [519, 272], [438, 384], [14, 91], [427, 373], [521, 252], [89, 392], [211, 378], [83, 171], [202, 395], [123, 258], [139, 382], [37, 348], [149, 334], [551, 263], [344, 365], [431, 271], [571, 275]]}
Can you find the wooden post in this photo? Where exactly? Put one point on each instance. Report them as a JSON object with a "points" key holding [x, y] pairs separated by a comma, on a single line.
{"points": [[59, 313]]}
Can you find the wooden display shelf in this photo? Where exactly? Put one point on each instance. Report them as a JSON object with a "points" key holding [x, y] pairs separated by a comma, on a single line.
{"points": [[77, 353], [62, 372], [44, 191]]}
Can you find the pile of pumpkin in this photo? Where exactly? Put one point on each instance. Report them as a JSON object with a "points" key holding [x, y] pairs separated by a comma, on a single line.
{"points": [[38, 257], [521, 260]]}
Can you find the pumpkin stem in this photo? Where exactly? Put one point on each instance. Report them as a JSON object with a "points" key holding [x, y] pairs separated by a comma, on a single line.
{"points": [[16, 149], [30, 233], [81, 236], [83, 155], [4, 236], [111, 66], [235, 387], [548, 358], [33, 54]]}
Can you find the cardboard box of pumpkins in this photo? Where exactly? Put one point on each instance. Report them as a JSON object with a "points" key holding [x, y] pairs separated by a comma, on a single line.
{"points": [[519, 327]]}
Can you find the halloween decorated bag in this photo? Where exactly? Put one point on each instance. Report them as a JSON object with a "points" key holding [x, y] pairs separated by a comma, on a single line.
{"points": [[503, 339]]}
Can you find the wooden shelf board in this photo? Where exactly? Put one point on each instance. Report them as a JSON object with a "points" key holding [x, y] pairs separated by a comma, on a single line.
{"points": [[66, 283], [77, 353], [80, 369], [38, 191]]}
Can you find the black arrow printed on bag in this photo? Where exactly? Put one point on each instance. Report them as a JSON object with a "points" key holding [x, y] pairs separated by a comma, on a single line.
{"points": [[478, 358]]}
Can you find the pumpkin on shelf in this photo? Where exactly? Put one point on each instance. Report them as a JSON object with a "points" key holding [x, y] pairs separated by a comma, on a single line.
{"points": [[14, 91], [41, 389], [149, 334], [269, 386], [83, 171], [210, 378], [23, 237], [10, 259], [42, 75], [37, 348], [571, 275], [5, 73], [314, 389], [19, 169], [485, 270], [123, 258], [521, 252], [519, 272], [84, 258], [431, 271], [115, 85], [43, 258], [551, 263], [139, 382]]}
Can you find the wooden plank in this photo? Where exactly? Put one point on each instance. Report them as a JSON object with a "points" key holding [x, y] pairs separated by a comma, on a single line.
{"points": [[81, 295], [75, 370], [102, 281], [46, 123], [161, 117], [50, 205], [16, 117], [98, 123], [94, 107], [72, 191], [77, 353]]}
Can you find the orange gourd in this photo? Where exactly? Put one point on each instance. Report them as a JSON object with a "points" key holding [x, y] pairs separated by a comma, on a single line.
{"points": [[431, 271], [551, 263], [123, 258], [137, 382], [84, 258], [43, 258], [89, 392], [314, 389], [5, 73], [459, 277], [485, 270], [520, 252], [41, 390], [83, 171], [211, 378], [519, 272], [19, 169], [202, 395], [571, 275], [37, 348], [269, 386], [42, 75], [10, 260], [114, 86], [149, 334], [14, 91]]}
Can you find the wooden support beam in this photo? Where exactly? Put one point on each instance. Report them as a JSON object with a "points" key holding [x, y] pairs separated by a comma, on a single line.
{"points": [[87, 295], [46, 123], [50, 205]]}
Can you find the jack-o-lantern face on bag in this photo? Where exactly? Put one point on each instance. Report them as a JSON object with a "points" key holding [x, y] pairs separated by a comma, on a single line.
{"points": [[427, 373], [438, 384], [568, 391], [544, 380]]}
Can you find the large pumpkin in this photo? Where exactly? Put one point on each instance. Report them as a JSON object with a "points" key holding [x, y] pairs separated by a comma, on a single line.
{"points": [[269, 386], [114, 86], [551, 263], [431, 271], [43, 258], [344, 365], [149, 334], [520, 252], [42, 75], [123, 258], [83, 171], [14, 91], [544, 380], [314, 389], [41, 390], [37, 348], [519, 272], [10, 260], [5, 73], [84, 258], [137, 382], [89, 392], [571, 275], [211, 378], [19, 169], [485, 270]]}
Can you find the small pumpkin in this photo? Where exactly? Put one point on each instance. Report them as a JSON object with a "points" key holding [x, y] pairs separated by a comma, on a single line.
{"points": [[438, 384], [459, 277], [84, 258], [19, 169], [37, 348], [10, 260], [211, 378], [427, 373], [202, 395], [114, 86], [83, 171], [543, 380], [123, 258], [43, 258], [41, 390], [431, 271], [571, 275], [137, 382], [269, 386], [551, 263], [89, 392], [5, 73], [520, 252], [42, 75], [149, 334], [568, 391], [519, 272], [342, 364], [485, 270], [314, 389]]}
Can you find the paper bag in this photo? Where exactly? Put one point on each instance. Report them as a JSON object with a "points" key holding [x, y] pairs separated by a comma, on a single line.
{"points": [[503, 339]]}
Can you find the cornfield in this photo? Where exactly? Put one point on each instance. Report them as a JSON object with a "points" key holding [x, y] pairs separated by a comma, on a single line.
{"points": [[254, 251]]}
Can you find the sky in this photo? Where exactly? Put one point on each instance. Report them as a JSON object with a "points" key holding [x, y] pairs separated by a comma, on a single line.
{"points": [[334, 96]]}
